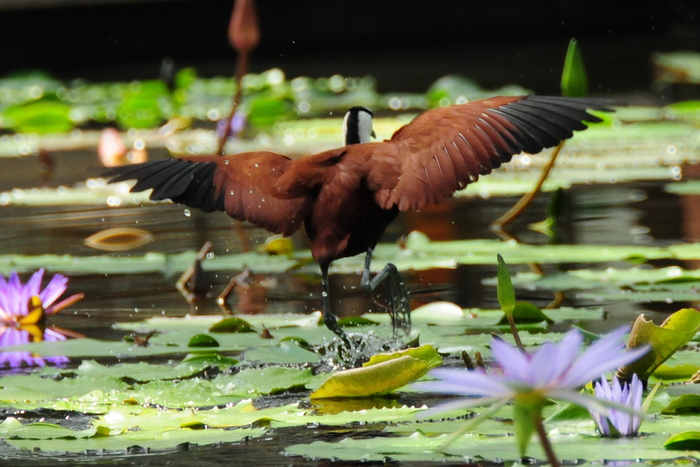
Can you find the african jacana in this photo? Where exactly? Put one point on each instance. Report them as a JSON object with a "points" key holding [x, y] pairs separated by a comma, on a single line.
{"points": [[346, 197]]}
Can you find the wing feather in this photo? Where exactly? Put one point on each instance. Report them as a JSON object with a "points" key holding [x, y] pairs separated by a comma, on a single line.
{"points": [[475, 138], [242, 185]]}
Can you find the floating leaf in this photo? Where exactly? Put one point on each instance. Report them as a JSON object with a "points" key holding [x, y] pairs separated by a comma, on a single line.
{"points": [[142, 105], [425, 353], [11, 428], [119, 239], [232, 324], [686, 441], [203, 340], [675, 332], [47, 115], [686, 403], [526, 312], [391, 372], [355, 321]]}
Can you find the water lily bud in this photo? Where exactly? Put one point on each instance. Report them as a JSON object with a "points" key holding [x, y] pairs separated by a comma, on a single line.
{"points": [[243, 30]]}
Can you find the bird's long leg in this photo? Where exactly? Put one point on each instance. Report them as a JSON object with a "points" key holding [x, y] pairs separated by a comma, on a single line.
{"points": [[329, 318], [397, 305]]}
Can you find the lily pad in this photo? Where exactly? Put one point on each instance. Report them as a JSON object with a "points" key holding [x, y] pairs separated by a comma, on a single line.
{"points": [[382, 375], [675, 332]]}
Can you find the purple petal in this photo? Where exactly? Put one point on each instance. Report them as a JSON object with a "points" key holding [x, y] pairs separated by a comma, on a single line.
{"points": [[567, 350], [53, 290], [459, 404], [515, 363], [606, 354], [464, 382], [543, 365]]}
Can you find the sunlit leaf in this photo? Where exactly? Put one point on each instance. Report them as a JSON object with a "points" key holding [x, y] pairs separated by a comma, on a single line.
{"points": [[10, 428], [388, 374], [506, 293], [203, 340], [664, 340], [686, 441], [47, 115], [686, 403], [574, 82], [525, 312], [232, 324]]}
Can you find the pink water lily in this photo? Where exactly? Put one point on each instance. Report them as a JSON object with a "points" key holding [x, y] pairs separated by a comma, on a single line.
{"points": [[23, 309]]}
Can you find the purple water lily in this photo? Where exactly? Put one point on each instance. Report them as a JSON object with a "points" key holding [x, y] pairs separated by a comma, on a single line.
{"points": [[23, 309], [618, 422], [529, 380], [553, 371]]}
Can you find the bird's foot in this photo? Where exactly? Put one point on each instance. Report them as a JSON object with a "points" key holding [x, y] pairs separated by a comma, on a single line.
{"points": [[388, 283]]}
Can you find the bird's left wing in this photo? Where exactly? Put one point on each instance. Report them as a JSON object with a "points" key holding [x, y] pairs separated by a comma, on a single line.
{"points": [[444, 149], [242, 185]]}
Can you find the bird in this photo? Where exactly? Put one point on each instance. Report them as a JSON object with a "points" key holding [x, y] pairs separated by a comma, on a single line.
{"points": [[346, 197]]}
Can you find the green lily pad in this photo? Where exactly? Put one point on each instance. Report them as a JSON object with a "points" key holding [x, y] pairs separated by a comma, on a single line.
{"points": [[232, 324], [525, 312], [688, 440], [675, 332], [384, 374], [203, 340]]}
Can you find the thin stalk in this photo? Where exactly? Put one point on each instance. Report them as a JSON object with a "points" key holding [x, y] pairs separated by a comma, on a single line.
{"points": [[241, 68], [546, 444], [514, 331], [525, 201]]}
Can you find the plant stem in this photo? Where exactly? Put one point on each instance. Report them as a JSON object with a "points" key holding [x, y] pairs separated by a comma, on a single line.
{"points": [[525, 201], [546, 444], [514, 331], [241, 68]]}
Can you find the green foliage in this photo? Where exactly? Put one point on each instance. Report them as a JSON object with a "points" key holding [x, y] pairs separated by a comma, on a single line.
{"points": [[382, 375], [686, 441], [574, 82], [233, 324], [46, 115], [506, 293], [664, 340]]}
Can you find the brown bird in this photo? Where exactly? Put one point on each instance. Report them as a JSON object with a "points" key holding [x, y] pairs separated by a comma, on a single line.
{"points": [[346, 197]]}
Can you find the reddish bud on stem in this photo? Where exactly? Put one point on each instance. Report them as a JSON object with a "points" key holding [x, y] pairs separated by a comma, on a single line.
{"points": [[243, 30]]}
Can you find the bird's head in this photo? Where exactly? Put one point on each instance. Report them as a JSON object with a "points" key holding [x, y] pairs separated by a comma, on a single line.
{"points": [[357, 126]]}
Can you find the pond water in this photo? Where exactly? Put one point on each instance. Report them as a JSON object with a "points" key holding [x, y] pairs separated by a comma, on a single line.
{"points": [[639, 213]]}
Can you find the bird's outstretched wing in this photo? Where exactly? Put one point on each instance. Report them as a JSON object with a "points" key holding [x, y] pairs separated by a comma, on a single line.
{"points": [[444, 149], [242, 185]]}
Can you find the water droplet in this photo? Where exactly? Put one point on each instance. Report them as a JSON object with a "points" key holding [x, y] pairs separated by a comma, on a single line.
{"points": [[187, 213]]}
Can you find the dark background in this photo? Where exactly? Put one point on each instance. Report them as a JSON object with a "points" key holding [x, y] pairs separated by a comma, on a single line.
{"points": [[405, 45]]}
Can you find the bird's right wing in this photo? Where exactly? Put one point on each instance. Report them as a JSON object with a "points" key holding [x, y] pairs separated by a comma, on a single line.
{"points": [[242, 185]]}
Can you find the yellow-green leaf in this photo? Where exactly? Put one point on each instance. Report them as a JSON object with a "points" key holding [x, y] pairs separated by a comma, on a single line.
{"points": [[664, 340], [427, 353], [686, 441], [381, 375]]}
